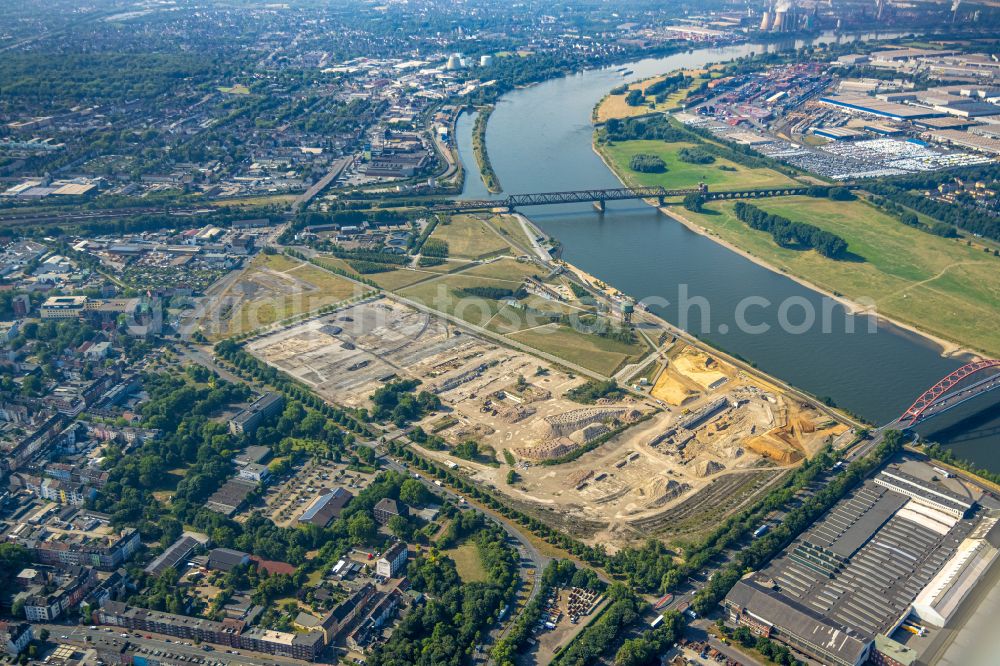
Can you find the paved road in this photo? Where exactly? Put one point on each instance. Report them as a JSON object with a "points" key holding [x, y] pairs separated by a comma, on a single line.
{"points": [[335, 170], [139, 645], [445, 151], [532, 235], [204, 357], [526, 549], [698, 631]]}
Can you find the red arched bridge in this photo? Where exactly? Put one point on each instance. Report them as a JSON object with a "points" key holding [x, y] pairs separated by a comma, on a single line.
{"points": [[968, 382]]}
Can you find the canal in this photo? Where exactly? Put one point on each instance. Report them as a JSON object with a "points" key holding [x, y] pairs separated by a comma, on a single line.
{"points": [[539, 139]]}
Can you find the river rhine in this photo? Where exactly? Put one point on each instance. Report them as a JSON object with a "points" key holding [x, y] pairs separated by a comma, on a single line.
{"points": [[539, 140]]}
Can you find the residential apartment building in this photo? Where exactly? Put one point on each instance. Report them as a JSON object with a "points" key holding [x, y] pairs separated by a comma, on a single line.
{"points": [[387, 508], [104, 553], [233, 633], [15, 636], [392, 561]]}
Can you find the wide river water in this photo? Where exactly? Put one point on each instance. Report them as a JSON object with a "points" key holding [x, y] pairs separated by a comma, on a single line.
{"points": [[539, 140]]}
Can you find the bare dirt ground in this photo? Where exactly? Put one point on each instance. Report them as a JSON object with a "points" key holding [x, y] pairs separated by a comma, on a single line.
{"points": [[680, 471], [705, 441], [494, 395]]}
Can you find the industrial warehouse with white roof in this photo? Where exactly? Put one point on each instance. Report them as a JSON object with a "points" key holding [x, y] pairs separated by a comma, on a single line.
{"points": [[900, 551]]}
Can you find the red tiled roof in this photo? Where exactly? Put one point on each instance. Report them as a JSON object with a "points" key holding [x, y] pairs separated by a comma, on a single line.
{"points": [[272, 567]]}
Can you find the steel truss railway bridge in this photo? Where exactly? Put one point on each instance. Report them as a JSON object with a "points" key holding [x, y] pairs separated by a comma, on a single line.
{"points": [[599, 197]]}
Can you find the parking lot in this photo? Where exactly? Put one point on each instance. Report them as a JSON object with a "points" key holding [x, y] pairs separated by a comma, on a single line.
{"points": [[286, 501], [700, 652], [847, 160]]}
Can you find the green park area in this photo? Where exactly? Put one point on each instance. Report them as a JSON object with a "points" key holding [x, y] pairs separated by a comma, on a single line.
{"points": [[469, 237], [401, 278], [617, 106], [938, 285], [468, 563], [473, 294], [721, 174]]}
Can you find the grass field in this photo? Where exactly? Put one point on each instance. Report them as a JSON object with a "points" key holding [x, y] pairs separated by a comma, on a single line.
{"points": [[470, 238], [236, 89], [614, 106], [510, 228], [510, 270], [938, 285], [509, 319], [590, 351], [335, 262], [275, 287], [403, 277], [390, 280], [675, 100], [467, 562], [682, 174], [445, 295]]}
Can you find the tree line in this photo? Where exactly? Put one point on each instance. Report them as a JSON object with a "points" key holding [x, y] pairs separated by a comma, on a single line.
{"points": [[557, 574], [787, 233], [973, 220], [605, 634], [446, 628]]}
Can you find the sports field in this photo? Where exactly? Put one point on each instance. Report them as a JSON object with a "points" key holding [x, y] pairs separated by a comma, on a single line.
{"points": [[682, 174], [935, 284]]}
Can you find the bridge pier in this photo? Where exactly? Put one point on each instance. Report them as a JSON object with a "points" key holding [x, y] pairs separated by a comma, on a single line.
{"points": [[599, 205]]}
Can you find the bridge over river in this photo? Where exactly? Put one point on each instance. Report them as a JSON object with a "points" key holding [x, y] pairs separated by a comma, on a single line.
{"points": [[966, 383], [599, 197]]}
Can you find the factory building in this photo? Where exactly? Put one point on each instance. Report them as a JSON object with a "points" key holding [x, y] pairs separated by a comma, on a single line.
{"points": [[898, 546], [923, 492], [876, 107], [937, 603]]}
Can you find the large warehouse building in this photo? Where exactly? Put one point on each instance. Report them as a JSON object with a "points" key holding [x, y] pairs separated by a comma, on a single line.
{"points": [[898, 545], [881, 108]]}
